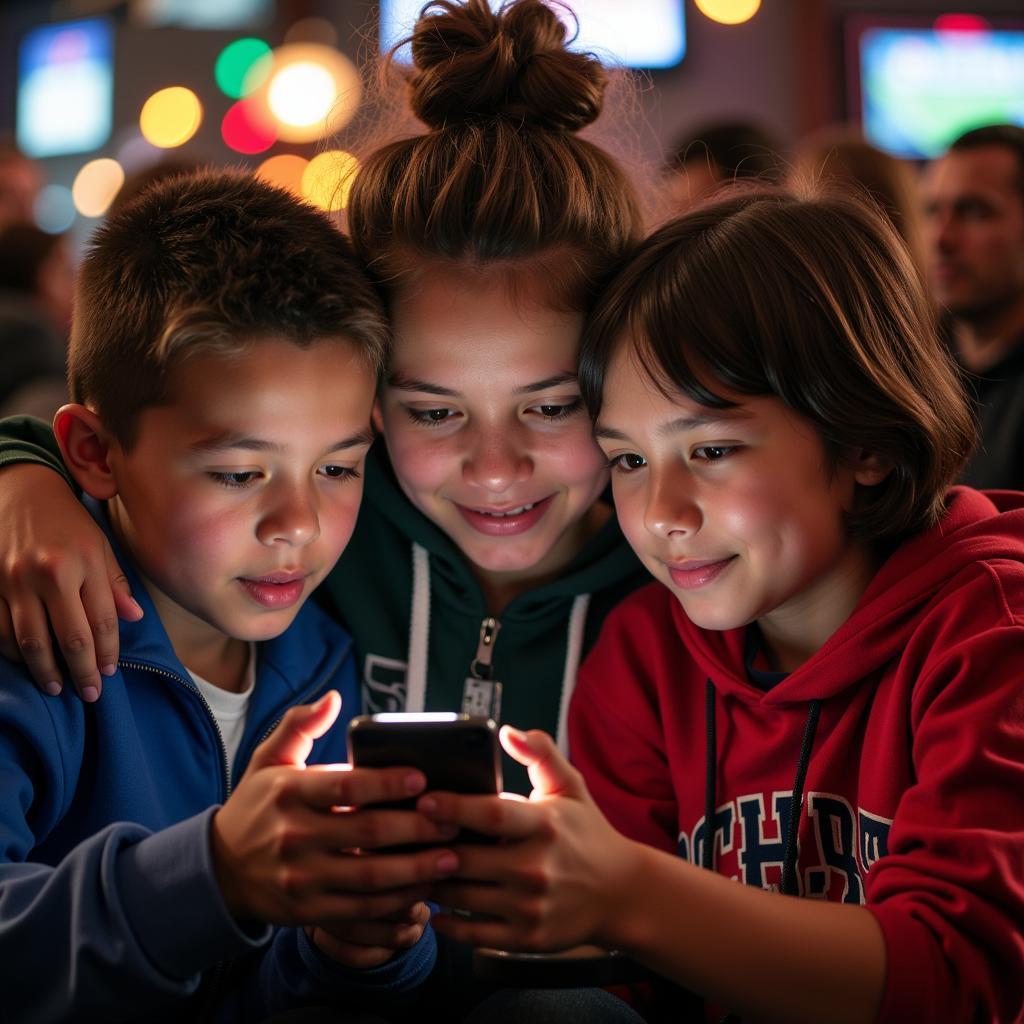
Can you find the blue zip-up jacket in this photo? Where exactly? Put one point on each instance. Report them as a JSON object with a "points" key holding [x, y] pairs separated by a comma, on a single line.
{"points": [[109, 908]]}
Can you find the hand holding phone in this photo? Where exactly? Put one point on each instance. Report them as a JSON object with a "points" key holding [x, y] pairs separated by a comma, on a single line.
{"points": [[457, 753]]}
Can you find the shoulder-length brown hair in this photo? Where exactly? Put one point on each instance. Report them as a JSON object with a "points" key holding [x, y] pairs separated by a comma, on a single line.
{"points": [[816, 302]]}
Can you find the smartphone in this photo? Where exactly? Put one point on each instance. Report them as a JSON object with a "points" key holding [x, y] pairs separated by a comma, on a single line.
{"points": [[458, 753]]}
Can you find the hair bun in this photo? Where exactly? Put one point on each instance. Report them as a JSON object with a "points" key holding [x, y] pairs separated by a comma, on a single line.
{"points": [[473, 64]]}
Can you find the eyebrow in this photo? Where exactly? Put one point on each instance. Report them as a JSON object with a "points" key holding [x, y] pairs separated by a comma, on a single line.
{"points": [[679, 425], [400, 383], [231, 439]]}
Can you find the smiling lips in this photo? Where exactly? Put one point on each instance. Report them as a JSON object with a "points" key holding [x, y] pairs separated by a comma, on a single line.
{"points": [[696, 572], [276, 590], [507, 522]]}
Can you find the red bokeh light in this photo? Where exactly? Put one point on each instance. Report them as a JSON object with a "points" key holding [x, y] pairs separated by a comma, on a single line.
{"points": [[246, 130]]}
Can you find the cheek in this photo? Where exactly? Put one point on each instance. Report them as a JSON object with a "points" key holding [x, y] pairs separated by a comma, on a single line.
{"points": [[421, 464], [573, 458]]}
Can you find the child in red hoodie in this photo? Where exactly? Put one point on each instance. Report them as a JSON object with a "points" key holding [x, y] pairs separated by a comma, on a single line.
{"points": [[830, 669]]}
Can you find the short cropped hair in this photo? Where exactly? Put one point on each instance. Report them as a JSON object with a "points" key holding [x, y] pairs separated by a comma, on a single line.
{"points": [[814, 301], [209, 262], [1009, 136]]}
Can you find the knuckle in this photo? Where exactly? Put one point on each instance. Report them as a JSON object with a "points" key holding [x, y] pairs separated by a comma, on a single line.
{"points": [[370, 831], [105, 626], [30, 646], [74, 643]]}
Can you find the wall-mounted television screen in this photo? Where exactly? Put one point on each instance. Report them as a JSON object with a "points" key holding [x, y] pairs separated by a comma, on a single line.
{"points": [[639, 34], [65, 88], [915, 87]]}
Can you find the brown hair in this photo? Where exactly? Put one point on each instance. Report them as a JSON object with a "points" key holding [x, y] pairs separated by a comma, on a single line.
{"points": [[814, 301], [843, 157], [209, 262], [501, 176]]}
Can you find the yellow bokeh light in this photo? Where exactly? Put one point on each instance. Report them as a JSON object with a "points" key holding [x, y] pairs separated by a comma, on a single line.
{"points": [[327, 181], [729, 12], [285, 171], [171, 117], [95, 186], [307, 89]]}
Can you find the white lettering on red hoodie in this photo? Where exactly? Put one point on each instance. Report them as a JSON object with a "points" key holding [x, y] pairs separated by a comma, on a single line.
{"points": [[913, 800]]}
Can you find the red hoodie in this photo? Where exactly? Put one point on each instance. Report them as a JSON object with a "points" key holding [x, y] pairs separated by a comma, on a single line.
{"points": [[913, 802]]}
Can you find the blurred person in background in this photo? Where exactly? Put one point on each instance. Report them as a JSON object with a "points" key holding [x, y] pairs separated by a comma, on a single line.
{"points": [[716, 154], [842, 156], [20, 182], [974, 216], [36, 286]]}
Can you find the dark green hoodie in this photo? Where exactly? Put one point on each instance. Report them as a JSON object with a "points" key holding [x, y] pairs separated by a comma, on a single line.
{"points": [[407, 596]]}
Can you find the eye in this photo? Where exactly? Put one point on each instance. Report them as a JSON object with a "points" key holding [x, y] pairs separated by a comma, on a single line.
{"points": [[333, 472], [560, 410], [627, 463], [713, 452], [429, 417], [240, 479]]}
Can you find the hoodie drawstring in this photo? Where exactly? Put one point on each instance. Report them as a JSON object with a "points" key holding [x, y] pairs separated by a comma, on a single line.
{"points": [[707, 860]]}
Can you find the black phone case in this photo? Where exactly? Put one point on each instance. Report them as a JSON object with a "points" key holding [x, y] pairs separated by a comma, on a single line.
{"points": [[460, 755]]}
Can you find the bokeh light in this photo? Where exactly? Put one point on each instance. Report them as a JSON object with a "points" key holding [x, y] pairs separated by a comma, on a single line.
{"points": [[171, 117], [327, 181], [310, 89], [245, 128], [729, 12], [236, 61], [284, 170], [54, 209], [134, 153], [95, 186], [312, 30], [302, 94]]}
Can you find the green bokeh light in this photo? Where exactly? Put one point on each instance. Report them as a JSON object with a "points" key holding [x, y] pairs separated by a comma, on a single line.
{"points": [[234, 64]]}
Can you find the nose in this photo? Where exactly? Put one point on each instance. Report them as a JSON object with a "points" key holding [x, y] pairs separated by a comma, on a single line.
{"points": [[941, 231], [291, 515], [497, 460], [672, 508]]}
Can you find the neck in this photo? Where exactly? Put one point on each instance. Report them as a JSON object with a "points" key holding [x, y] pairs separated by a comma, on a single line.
{"points": [[795, 632], [984, 339]]}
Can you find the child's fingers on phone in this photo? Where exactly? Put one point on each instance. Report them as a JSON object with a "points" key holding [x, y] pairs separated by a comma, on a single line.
{"points": [[345, 786], [379, 933], [380, 884], [494, 934], [503, 817], [378, 829]]}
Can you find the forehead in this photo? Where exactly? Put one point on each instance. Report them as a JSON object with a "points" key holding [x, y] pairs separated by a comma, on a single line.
{"points": [[987, 169], [453, 324], [271, 381]]}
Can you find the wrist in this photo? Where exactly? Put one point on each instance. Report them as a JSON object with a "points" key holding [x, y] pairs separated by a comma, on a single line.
{"points": [[223, 871], [626, 925]]}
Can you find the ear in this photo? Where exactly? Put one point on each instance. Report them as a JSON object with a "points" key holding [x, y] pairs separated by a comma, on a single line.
{"points": [[869, 469], [377, 417], [85, 446]]}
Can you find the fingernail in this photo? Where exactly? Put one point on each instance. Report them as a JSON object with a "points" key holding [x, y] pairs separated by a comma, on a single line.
{"points": [[90, 694], [414, 782], [136, 605], [109, 670], [447, 862], [52, 689], [428, 805]]}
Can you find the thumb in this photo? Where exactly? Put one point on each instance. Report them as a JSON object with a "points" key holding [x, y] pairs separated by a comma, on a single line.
{"points": [[550, 773], [126, 606], [290, 743]]}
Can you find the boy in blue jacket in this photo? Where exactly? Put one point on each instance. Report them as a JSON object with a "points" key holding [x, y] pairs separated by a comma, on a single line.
{"points": [[222, 364]]}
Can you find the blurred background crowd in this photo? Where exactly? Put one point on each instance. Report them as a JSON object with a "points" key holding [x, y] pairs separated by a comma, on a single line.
{"points": [[97, 98]]}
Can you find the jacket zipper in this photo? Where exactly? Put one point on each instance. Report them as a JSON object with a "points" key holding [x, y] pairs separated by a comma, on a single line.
{"points": [[481, 665], [225, 767]]}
